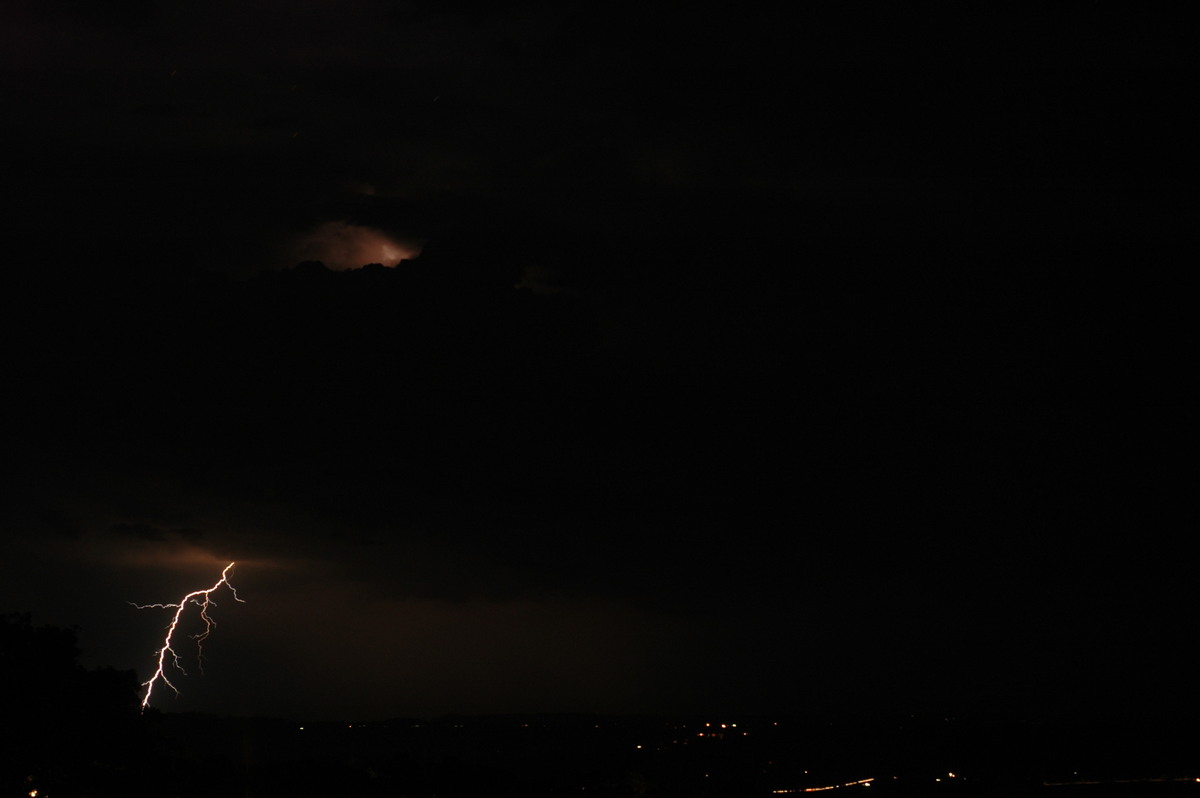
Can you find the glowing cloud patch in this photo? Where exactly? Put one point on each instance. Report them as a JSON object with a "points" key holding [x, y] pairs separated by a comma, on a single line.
{"points": [[340, 245]]}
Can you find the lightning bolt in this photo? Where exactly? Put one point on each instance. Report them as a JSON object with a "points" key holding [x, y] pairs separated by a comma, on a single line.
{"points": [[201, 599]]}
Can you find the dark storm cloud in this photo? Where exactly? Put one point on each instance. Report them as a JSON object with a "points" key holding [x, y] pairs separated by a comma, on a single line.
{"points": [[791, 402], [217, 144], [153, 533], [266, 33]]}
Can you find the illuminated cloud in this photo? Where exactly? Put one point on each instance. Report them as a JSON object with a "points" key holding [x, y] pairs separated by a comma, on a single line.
{"points": [[340, 245]]}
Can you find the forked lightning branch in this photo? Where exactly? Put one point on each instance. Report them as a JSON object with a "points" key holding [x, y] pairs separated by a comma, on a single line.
{"points": [[199, 598]]}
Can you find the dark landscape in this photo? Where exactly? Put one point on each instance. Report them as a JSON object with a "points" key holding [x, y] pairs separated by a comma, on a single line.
{"points": [[83, 734]]}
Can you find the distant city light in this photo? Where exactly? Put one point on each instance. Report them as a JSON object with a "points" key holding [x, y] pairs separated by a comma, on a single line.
{"points": [[823, 788]]}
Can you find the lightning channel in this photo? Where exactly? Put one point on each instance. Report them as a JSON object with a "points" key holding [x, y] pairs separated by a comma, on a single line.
{"points": [[198, 598]]}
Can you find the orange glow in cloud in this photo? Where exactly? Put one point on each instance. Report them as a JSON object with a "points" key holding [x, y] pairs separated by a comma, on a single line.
{"points": [[340, 245], [173, 556], [183, 558]]}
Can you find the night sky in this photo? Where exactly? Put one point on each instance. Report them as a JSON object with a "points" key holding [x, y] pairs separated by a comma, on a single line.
{"points": [[744, 363]]}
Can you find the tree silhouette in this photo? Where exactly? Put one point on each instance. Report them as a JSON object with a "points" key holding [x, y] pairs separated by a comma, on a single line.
{"points": [[67, 727]]}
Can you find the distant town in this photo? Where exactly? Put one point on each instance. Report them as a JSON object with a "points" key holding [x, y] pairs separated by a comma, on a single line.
{"points": [[559, 755]]}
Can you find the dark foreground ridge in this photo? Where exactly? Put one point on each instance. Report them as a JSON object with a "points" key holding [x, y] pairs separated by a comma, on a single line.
{"points": [[559, 755], [78, 732]]}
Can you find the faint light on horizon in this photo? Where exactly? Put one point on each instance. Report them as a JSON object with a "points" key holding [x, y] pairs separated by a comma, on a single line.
{"points": [[861, 782]]}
